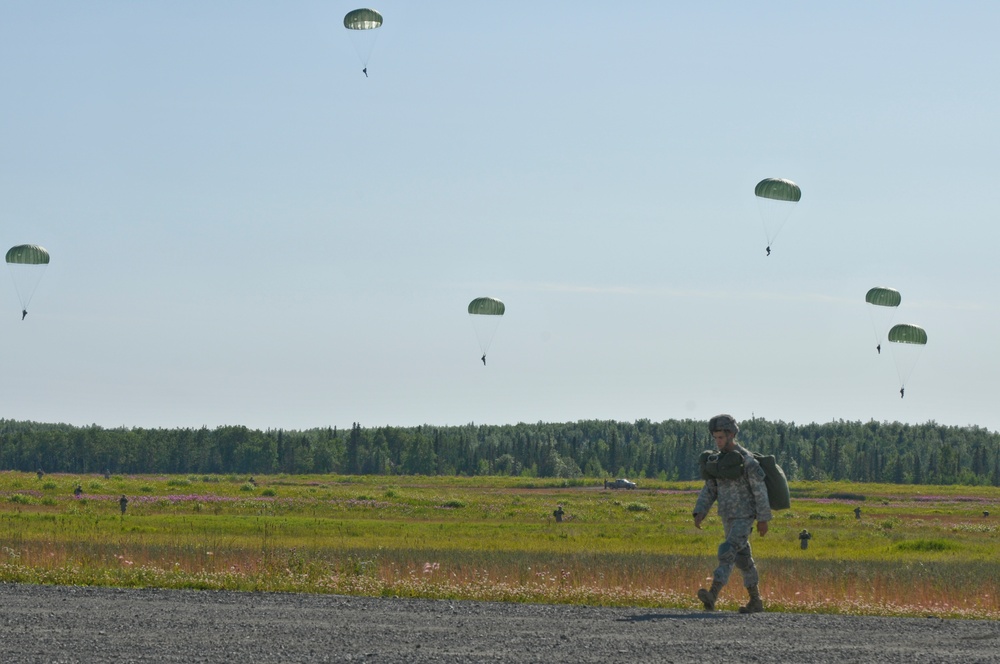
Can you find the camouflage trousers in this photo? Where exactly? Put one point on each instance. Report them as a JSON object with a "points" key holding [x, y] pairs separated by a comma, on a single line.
{"points": [[735, 552]]}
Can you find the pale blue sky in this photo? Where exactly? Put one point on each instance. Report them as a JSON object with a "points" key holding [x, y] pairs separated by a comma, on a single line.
{"points": [[246, 230]]}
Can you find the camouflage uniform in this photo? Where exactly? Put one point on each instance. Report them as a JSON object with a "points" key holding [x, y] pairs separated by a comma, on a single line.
{"points": [[741, 502]]}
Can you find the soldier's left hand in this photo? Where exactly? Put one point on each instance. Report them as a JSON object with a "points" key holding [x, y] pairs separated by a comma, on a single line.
{"points": [[762, 528]]}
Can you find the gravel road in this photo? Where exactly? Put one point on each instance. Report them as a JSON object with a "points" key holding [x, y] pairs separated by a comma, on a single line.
{"points": [[76, 624]]}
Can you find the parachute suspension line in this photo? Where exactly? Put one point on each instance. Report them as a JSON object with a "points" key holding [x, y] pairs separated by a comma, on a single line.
{"points": [[364, 50], [485, 328], [773, 215], [25, 290], [875, 331]]}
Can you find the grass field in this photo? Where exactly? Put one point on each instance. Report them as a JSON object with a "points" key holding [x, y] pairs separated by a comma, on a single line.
{"points": [[916, 550]]}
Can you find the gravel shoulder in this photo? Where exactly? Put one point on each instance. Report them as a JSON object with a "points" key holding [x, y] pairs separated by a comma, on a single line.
{"points": [[76, 624]]}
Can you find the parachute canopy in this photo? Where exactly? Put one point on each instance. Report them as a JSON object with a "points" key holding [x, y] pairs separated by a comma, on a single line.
{"points": [[486, 314], [362, 26], [883, 297], [908, 342], [27, 263], [486, 306], [883, 303], [778, 189], [362, 19], [776, 198], [905, 333], [28, 254]]}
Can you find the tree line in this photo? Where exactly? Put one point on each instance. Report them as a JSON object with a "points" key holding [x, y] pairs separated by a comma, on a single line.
{"points": [[872, 451]]}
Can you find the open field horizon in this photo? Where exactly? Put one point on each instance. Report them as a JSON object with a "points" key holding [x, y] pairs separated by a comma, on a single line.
{"points": [[915, 550]]}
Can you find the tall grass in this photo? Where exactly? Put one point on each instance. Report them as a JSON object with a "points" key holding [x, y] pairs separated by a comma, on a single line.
{"points": [[915, 551]]}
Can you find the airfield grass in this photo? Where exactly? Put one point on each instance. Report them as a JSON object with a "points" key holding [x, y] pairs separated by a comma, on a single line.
{"points": [[915, 551]]}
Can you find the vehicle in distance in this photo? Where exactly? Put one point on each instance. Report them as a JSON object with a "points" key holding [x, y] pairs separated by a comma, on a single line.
{"points": [[621, 483]]}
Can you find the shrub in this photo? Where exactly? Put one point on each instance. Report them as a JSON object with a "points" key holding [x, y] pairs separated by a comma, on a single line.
{"points": [[847, 496], [927, 545], [969, 528], [637, 507]]}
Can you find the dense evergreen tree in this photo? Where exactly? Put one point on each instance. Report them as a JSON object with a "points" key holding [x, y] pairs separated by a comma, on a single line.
{"points": [[887, 452]]}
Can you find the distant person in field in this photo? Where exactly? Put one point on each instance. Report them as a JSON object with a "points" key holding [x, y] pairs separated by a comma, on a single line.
{"points": [[857, 512], [768, 250], [123, 503], [484, 359], [24, 312], [742, 497]]}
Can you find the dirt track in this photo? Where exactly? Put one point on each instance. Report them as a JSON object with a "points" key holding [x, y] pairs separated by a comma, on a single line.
{"points": [[72, 624]]}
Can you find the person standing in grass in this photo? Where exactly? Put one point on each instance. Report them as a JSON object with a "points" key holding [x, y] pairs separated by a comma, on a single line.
{"points": [[123, 503], [735, 480]]}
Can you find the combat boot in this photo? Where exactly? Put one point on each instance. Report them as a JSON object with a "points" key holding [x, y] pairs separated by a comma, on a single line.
{"points": [[709, 597], [756, 604]]}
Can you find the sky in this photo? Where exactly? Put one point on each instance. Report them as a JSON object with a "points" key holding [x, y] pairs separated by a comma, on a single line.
{"points": [[244, 229]]}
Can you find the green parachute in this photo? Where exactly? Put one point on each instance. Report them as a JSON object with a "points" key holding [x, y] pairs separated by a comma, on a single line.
{"points": [[27, 263], [363, 27], [883, 303], [881, 296], [485, 314], [362, 19], [907, 342], [776, 198], [904, 333]]}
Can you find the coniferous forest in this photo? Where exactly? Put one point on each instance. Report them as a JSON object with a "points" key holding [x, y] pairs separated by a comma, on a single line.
{"points": [[872, 451]]}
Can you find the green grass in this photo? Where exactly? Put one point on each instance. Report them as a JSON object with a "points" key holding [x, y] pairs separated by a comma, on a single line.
{"points": [[915, 551]]}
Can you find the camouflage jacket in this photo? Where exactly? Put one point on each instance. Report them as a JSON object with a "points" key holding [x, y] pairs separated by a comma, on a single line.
{"points": [[742, 498]]}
